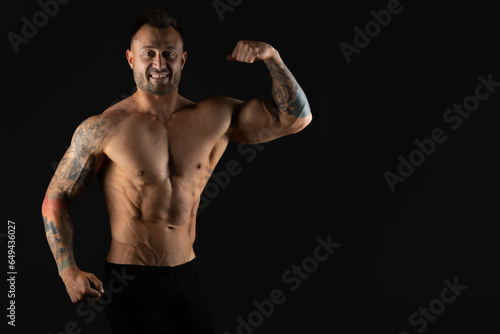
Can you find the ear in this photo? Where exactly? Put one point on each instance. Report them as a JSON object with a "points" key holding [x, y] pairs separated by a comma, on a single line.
{"points": [[183, 60], [130, 59]]}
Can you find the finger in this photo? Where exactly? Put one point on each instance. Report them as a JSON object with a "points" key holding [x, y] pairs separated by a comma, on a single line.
{"points": [[237, 49], [92, 294], [242, 52], [96, 284], [231, 58], [250, 55]]}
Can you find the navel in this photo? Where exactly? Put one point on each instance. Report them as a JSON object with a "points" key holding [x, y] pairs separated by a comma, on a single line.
{"points": [[198, 166]]}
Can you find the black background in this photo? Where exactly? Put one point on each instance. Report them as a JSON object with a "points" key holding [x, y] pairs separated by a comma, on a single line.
{"points": [[396, 249]]}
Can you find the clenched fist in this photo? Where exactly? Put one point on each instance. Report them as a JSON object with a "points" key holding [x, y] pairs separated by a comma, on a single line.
{"points": [[249, 51], [81, 286]]}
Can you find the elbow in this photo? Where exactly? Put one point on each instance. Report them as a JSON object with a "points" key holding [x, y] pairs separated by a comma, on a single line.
{"points": [[308, 118], [51, 206], [45, 206], [300, 123]]}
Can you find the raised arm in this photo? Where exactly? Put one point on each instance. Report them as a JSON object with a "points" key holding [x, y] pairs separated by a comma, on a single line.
{"points": [[76, 170], [260, 121]]}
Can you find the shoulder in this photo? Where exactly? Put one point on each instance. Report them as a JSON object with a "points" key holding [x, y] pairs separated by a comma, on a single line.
{"points": [[93, 126], [93, 123], [95, 129]]}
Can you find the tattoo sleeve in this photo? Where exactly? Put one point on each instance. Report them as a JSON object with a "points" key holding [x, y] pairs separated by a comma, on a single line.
{"points": [[287, 93], [73, 175], [59, 231]]}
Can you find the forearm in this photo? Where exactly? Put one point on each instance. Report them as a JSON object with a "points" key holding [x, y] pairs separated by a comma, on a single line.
{"points": [[59, 230], [81, 286], [287, 93]]}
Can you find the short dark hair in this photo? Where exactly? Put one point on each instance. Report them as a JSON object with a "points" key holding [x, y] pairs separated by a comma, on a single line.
{"points": [[157, 18]]}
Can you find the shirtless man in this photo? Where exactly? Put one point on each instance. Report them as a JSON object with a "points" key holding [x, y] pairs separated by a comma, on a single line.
{"points": [[153, 154]]}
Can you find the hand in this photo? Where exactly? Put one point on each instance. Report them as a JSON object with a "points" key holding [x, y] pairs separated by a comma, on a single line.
{"points": [[81, 286], [249, 51]]}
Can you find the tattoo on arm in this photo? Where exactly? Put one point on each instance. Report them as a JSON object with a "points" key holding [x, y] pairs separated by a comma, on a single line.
{"points": [[77, 168], [74, 173], [287, 93], [60, 237]]}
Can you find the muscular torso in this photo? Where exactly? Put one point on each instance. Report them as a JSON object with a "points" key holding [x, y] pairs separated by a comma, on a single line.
{"points": [[153, 177]]}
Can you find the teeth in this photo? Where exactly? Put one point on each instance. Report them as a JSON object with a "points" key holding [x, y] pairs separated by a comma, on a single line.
{"points": [[156, 76]]}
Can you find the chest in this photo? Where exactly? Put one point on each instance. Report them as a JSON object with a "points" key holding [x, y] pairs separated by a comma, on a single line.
{"points": [[150, 150]]}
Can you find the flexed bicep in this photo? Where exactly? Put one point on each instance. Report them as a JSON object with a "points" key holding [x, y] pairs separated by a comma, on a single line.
{"points": [[258, 121]]}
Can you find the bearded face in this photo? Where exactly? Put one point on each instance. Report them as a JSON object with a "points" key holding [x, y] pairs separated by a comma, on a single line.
{"points": [[157, 58]]}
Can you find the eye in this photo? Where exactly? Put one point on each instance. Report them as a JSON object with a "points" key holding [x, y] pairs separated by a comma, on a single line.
{"points": [[149, 53], [168, 54]]}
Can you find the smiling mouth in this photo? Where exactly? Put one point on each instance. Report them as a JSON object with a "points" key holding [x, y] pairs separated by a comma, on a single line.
{"points": [[158, 75]]}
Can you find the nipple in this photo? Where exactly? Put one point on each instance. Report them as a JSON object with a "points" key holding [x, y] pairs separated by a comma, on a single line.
{"points": [[140, 173]]}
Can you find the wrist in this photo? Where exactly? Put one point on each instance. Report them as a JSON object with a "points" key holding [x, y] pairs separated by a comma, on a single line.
{"points": [[68, 271], [274, 57], [274, 62]]}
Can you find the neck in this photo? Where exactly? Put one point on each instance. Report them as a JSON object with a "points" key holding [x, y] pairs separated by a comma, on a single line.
{"points": [[162, 106]]}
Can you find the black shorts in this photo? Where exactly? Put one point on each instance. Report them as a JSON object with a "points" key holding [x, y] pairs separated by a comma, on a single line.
{"points": [[157, 300]]}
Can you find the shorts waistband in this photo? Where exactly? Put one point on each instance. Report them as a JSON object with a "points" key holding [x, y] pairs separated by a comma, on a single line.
{"points": [[139, 269]]}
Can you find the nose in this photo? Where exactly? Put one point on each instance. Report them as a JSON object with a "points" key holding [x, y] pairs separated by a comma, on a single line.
{"points": [[159, 61]]}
